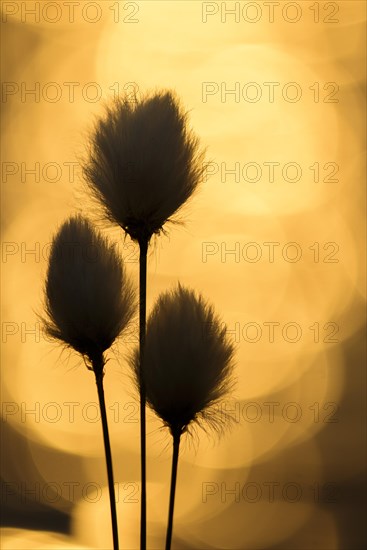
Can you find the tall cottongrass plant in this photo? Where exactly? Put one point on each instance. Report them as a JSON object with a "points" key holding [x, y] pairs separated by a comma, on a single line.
{"points": [[144, 164], [187, 369], [89, 302]]}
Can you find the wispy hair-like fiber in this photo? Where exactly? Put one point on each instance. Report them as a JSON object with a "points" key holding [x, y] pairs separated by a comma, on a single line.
{"points": [[144, 162], [188, 360], [88, 298]]}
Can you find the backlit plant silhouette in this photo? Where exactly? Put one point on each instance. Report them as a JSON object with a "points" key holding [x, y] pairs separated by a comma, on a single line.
{"points": [[144, 164], [88, 302], [187, 369]]}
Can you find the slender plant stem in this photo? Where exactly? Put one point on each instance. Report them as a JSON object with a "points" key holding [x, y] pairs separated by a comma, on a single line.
{"points": [[176, 449], [142, 328], [107, 448]]}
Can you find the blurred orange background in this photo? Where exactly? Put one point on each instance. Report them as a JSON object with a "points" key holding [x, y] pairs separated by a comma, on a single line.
{"points": [[275, 239]]}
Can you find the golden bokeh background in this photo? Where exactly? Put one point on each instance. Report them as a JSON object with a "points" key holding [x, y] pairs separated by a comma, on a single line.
{"points": [[275, 239]]}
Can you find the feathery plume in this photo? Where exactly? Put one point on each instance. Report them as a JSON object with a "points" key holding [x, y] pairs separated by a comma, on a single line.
{"points": [[144, 163], [188, 360], [89, 300]]}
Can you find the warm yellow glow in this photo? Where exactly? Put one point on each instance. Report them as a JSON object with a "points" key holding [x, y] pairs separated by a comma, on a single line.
{"points": [[274, 239]]}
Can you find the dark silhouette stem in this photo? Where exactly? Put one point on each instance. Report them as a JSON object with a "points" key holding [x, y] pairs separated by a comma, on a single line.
{"points": [[176, 449], [143, 244], [107, 448]]}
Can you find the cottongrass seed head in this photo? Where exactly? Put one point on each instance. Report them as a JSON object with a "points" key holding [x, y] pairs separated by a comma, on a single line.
{"points": [[144, 162], [88, 298], [187, 363]]}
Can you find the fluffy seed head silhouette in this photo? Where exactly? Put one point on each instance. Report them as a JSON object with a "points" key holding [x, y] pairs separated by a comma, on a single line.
{"points": [[144, 163], [188, 360], [88, 299]]}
